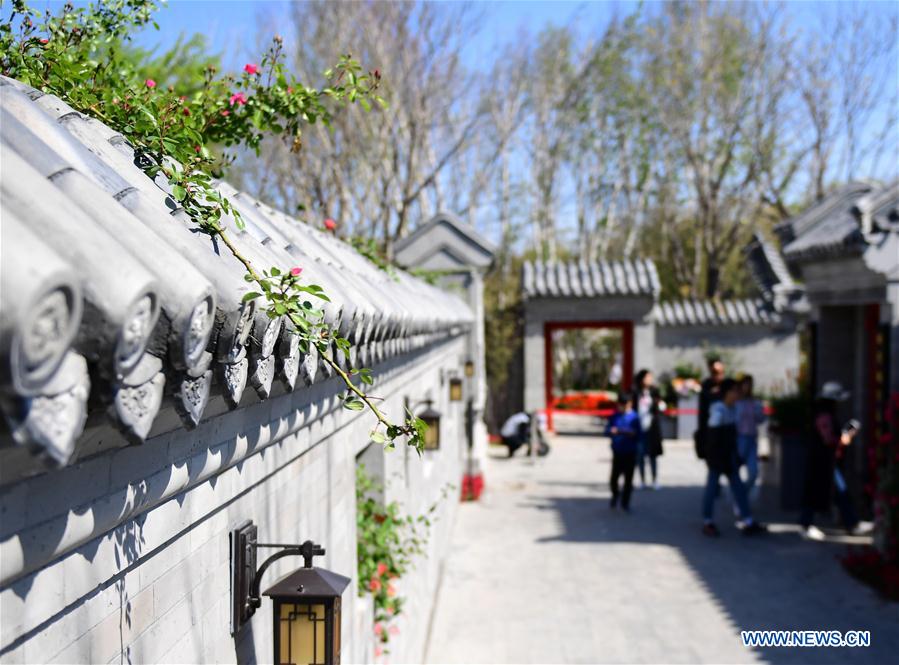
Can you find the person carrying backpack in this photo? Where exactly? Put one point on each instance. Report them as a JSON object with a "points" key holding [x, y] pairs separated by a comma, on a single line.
{"points": [[721, 460]]}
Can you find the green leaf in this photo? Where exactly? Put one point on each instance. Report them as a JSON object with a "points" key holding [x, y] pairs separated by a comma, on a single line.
{"points": [[354, 404], [252, 295]]}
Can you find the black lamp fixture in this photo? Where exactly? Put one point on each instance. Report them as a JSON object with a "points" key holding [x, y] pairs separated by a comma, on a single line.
{"points": [[306, 602], [455, 389], [469, 368], [431, 418]]}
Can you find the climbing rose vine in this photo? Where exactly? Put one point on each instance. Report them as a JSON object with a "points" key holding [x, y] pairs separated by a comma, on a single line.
{"points": [[387, 542], [80, 54]]}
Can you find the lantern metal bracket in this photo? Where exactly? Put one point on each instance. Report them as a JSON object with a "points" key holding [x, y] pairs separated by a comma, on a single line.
{"points": [[411, 408], [246, 577]]}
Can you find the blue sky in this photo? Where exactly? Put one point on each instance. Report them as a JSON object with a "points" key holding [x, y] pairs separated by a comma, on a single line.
{"points": [[231, 25]]}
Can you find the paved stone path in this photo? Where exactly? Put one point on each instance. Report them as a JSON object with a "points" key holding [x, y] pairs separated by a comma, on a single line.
{"points": [[542, 571]]}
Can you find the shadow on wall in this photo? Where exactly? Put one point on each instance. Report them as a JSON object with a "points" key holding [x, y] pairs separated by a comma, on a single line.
{"points": [[764, 582], [245, 645]]}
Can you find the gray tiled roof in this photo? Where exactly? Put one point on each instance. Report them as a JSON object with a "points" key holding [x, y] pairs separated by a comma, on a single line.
{"points": [[162, 310], [714, 313], [767, 265], [878, 211], [445, 233], [835, 234], [834, 204], [843, 223], [578, 279]]}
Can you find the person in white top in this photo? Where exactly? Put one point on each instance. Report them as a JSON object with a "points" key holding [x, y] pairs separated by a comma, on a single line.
{"points": [[516, 432]]}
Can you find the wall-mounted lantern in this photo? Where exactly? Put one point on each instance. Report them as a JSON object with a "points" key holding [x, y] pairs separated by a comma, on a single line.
{"points": [[469, 368], [306, 602], [431, 418], [455, 389]]}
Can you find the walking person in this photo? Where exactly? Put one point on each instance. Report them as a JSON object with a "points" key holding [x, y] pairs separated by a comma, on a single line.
{"points": [[721, 460], [649, 406], [750, 414], [825, 473], [709, 393], [624, 429]]}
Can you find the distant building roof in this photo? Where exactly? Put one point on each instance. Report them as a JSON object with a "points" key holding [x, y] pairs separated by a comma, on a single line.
{"points": [[840, 200], [578, 279], [843, 224], [445, 243], [715, 313]]}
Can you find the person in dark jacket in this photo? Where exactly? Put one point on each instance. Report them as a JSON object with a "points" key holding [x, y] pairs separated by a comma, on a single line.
{"points": [[624, 429], [708, 395], [721, 460], [824, 468], [648, 404]]}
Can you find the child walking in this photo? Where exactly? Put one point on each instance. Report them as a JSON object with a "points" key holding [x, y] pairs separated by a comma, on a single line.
{"points": [[624, 429]]}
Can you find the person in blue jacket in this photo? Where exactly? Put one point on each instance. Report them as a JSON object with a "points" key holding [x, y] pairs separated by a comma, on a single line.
{"points": [[624, 429]]}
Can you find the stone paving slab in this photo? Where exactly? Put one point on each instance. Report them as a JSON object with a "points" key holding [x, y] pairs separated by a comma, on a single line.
{"points": [[542, 571]]}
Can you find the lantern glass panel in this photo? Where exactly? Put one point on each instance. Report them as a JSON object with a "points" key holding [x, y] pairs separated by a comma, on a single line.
{"points": [[302, 638], [432, 436], [469, 368], [456, 390]]}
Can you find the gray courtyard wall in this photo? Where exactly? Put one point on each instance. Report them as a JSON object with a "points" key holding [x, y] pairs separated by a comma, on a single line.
{"points": [[155, 586], [771, 355]]}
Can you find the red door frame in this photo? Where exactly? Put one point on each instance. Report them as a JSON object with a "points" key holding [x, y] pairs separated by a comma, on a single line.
{"points": [[627, 348], [875, 386]]}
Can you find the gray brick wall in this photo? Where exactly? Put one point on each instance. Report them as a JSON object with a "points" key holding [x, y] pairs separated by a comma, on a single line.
{"points": [[136, 539]]}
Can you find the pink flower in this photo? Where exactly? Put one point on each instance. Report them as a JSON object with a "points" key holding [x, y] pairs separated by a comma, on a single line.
{"points": [[150, 83], [374, 585], [250, 68], [390, 611], [394, 630], [379, 629], [330, 224], [238, 98], [44, 40], [226, 113], [197, 149], [296, 271], [289, 90], [378, 652], [382, 568], [391, 591]]}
